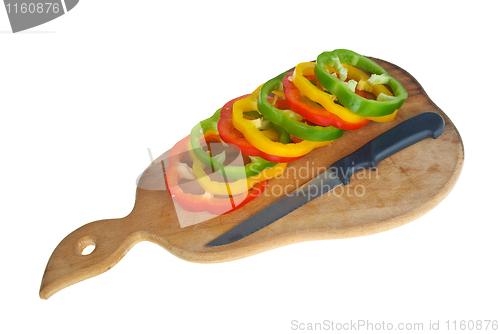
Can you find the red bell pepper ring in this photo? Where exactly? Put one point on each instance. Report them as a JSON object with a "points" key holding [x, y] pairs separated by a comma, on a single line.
{"points": [[230, 135], [316, 115], [205, 202]]}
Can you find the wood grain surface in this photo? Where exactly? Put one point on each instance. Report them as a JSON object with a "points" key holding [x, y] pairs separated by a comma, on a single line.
{"points": [[405, 187]]}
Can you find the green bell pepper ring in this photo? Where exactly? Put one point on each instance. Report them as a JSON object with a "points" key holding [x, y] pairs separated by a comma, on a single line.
{"points": [[289, 120], [256, 165], [384, 105]]}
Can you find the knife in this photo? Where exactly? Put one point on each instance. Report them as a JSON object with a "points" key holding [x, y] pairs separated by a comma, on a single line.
{"points": [[403, 135]]}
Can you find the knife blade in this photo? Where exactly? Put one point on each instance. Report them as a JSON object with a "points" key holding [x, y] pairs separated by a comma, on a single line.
{"points": [[403, 135]]}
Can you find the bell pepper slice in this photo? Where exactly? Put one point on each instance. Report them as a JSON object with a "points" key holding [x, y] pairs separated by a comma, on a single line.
{"points": [[377, 89], [230, 135], [259, 140], [287, 118], [384, 105], [206, 202], [230, 188], [326, 100], [208, 126], [319, 96], [317, 115]]}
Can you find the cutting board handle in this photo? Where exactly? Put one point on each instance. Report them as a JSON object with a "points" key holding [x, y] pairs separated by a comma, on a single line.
{"points": [[68, 264]]}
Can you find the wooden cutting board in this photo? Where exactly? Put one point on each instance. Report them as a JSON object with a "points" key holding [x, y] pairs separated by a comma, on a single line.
{"points": [[405, 186]]}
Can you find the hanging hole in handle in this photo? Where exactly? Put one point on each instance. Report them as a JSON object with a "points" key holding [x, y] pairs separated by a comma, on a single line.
{"points": [[85, 246]]}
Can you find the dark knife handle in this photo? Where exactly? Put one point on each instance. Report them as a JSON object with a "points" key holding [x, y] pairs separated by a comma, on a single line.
{"points": [[407, 133]]}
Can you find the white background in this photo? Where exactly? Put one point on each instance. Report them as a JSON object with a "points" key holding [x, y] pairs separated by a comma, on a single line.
{"points": [[84, 96]]}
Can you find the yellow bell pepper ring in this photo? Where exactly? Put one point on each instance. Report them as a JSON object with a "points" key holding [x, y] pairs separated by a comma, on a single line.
{"points": [[231, 188], [258, 139], [326, 100], [323, 98]]}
